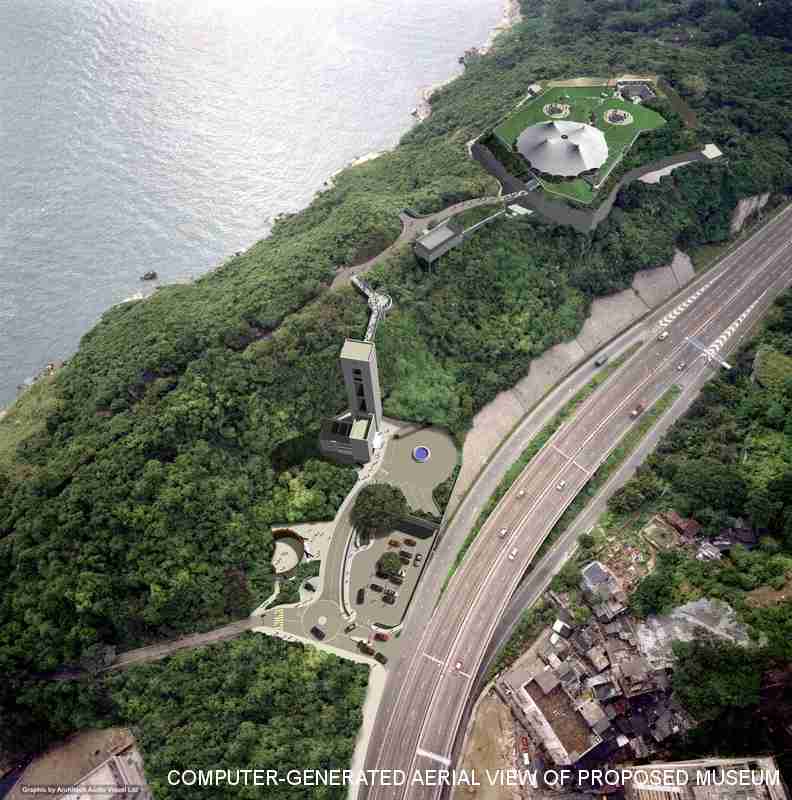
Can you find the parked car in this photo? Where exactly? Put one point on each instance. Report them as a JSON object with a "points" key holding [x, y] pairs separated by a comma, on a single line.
{"points": [[389, 599], [383, 659], [405, 554], [601, 360], [394, 543], [349, 628], [410, 542], [391, 592], [663, 336], [381, 637], [397, 579], [361, 596], [309, 587], [365, 648], [513, 554], [375, 587], [318, 632], [418, 559]]}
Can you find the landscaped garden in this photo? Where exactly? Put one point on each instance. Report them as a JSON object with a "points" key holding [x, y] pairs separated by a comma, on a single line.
{"points": [[620, 121]]}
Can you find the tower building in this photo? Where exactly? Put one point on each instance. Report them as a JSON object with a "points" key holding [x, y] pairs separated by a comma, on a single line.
{"points": [[350, 436]]}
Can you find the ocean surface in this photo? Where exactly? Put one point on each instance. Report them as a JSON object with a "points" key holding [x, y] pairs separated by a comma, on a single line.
{"points": [[164, 135]]}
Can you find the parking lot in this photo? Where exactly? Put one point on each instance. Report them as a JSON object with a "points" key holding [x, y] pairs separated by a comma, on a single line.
{"points": [[375, 608]]}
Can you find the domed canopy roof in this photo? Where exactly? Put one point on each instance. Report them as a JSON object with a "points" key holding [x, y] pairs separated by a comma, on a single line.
{"points": [[563, 148]]}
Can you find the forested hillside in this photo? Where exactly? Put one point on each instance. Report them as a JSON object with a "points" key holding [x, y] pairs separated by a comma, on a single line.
{"points": [[138, 485]]}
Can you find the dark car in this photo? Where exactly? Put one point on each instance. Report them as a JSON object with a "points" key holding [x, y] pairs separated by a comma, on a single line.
{"points": [[389, 599], [361, 596], [405, 554], [375, 587], [381, 658], [318, 633], [397, 579], [349, 628], [410, 542], [366, 648], [309, 587], [381, 637]]}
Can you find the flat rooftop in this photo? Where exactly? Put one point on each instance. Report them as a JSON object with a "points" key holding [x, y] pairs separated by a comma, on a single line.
{"points": [[566, 721], [356, 350], [437, 236]]}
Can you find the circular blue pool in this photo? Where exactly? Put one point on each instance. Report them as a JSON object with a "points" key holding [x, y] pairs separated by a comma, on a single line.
{"points": [[421, 453]]}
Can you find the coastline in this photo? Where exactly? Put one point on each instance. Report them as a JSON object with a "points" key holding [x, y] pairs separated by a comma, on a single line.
{"points": [[510, 17]]}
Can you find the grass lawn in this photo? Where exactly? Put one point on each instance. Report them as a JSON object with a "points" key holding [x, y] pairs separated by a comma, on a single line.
{"points": [[583, 101]]}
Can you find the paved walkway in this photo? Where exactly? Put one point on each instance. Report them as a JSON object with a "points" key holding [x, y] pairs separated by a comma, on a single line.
{"points": [[412, 227]]}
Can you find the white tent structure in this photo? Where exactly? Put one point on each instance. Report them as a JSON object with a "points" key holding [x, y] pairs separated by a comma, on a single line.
{"points": [[563, 148]]}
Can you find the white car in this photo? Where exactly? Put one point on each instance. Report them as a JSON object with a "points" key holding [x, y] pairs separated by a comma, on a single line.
{"points": [[560, 486], [663, 336], [521, 493], [513, 554], [681, 365], [503, 532], [458, 666]]}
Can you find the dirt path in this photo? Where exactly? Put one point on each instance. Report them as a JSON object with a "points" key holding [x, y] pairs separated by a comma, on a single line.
{"points": [[411, 230], [155, 652]]}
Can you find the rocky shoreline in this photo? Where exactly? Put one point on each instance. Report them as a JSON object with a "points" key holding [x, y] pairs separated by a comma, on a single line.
{"points": [[511, 16]]}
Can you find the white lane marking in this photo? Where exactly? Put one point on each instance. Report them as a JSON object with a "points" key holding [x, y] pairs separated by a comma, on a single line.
{"points": [[561, 453], [434, 756], [464, 674], [436, 660]]}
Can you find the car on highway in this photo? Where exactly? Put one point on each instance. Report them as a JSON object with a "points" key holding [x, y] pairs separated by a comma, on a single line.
{"points": [[410, 542], [636, 412], [381, 637], [681, 365], [503, 533], [383, 659], [663, 336], [601, 360], [361, 596], [318, 632], [561, 485], [375, 587], [513, 554]]}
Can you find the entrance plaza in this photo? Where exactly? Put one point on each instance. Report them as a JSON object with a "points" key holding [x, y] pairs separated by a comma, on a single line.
{"points": [[349, 564]]}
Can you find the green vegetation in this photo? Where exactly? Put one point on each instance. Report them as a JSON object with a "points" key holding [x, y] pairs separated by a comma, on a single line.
{"points": [[586, 104], [289, 585], [728, 462], [534, 446], [378, 507], [390, 563], [216, 707], [616, 458], [528, 628], [138, 490]]}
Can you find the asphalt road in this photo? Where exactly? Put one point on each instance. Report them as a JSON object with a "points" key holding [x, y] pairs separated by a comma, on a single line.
{"points": [[429, 690]]}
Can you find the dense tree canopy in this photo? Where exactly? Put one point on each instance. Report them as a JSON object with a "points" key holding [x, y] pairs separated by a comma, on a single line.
{"points": [[378, 507], [137, 487]]}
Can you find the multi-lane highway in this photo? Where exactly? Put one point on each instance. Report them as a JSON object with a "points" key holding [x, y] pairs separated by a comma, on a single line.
{"points": [[418, 729]]}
